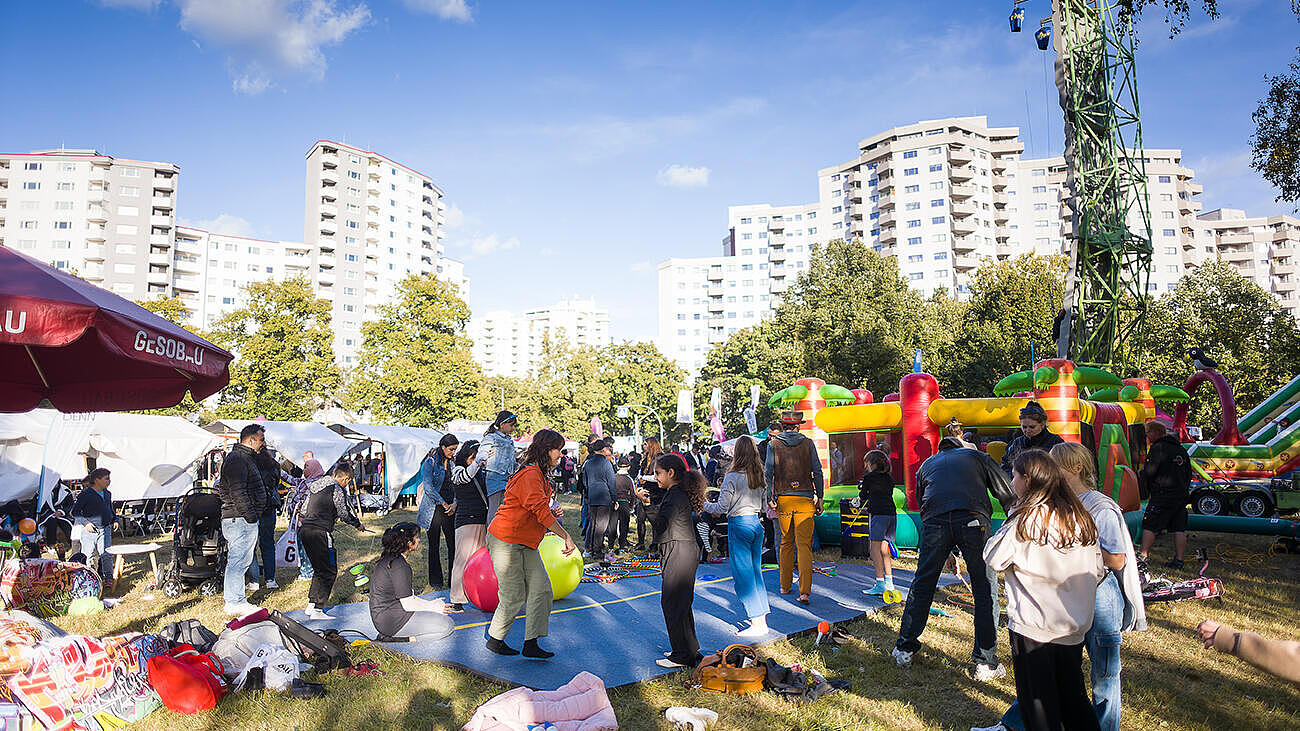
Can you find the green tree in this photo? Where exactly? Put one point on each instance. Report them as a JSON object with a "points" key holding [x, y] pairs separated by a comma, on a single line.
{"points": [[856, 317], [1242, 327], [1012, 304], [284, 363], [415, 366], [1275, 146], [756, 355], [570, 389], [175, 311], [637, 373], [520, 398]]}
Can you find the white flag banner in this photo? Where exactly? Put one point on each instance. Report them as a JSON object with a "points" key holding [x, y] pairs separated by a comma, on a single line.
{"points": [[685, 409]]}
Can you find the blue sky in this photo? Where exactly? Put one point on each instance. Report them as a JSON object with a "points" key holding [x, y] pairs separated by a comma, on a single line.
{"points": [[581, 143]]}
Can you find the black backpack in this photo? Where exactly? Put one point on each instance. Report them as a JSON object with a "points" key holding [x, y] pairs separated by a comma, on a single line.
{"points": [[189, 632], [310, 646]]}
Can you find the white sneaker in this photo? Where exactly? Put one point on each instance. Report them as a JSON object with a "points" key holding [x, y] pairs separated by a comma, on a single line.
{"points": [[272, 585], [241, 609], [903, 658], [985, 673], [252, 586], [752, 633], [314, 612], [999, 726]]}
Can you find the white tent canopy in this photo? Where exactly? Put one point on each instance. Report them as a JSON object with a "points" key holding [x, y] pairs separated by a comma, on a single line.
{"points": [[148, 455], [291, 438], [404, 449]]}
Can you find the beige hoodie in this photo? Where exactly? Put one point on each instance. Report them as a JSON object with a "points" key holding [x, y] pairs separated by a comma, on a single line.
{"points": [[1051, 592]]}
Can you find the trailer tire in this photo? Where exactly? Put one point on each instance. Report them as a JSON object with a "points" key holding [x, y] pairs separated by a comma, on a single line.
{"points": [[1208, 502], [1255, 504]]}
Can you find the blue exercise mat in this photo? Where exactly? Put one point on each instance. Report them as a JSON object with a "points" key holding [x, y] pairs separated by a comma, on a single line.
{"points": [[616, 630]]}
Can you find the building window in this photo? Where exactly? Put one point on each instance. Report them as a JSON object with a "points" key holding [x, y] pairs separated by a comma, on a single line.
{"points": [[940, 255], [1163, 178], [914, 241], [916, 275], [936, 150], [1167, 215], [912, 259], [31, 166], [913, 206], [936, 168], [746, 220], [910, 171], [936, 203], [66, 186], [914, 223], [936, 185], [939, 219], [912, 189], [1169, 232], [129, 191], [909, 153], [939, 238], [31, 185], [1040, 188]]}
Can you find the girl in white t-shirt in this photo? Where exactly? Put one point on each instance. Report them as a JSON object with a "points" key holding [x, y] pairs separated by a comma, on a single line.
{"points": [[1052, 563]]}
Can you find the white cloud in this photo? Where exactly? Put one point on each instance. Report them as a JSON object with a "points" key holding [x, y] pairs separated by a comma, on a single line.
{"points": [[445, 9], [607, 136], [223, 224], [251, 83], [486, 245], [683, 176], [455, 217]]}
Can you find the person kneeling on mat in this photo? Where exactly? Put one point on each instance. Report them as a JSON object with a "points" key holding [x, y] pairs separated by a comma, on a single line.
{"points": [[326, 504], [394, 609]]}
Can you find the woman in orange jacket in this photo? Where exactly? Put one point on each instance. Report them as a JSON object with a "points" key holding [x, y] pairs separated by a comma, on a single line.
{"points": [[527, 512]]}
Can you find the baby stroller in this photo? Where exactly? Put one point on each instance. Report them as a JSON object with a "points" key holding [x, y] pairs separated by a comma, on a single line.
{"points": [[198, 547]]}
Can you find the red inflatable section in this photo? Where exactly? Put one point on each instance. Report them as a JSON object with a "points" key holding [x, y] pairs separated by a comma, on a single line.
{"points": [[481, 581], [920, 435], [1229, 434]]}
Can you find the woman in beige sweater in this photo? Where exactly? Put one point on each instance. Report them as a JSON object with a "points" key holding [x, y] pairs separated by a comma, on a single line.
{"points": [[1052, 563]]}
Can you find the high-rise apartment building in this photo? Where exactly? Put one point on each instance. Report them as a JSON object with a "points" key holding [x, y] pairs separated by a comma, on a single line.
{"points": [[370, 222], [511, 345], [1263, 249], [939, 196], [212, 269], [109, 220]]}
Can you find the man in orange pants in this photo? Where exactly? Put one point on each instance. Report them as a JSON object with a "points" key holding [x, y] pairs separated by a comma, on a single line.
{"points": [[794, 489]]}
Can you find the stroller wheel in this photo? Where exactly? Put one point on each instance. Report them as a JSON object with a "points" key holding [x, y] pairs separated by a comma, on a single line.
{"points": [[172, 589], [211, 587]]}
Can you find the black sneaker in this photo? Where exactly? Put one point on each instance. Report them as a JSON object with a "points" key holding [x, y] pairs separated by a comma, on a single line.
{"points": [[533, 650], [1176, 563], [500, 647]]}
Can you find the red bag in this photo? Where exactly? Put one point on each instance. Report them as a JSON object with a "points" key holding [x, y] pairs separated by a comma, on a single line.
{"points": [[187, 681]]}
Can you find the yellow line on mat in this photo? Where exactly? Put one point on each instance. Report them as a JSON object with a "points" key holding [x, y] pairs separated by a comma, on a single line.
{"points": [[597, 604]]}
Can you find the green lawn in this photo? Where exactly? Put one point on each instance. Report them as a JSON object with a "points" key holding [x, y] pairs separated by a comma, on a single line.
{"points": [[1169, 681]]}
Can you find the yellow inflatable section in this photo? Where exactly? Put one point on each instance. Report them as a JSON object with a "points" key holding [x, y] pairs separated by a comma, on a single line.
{"points": [[860, 417]]}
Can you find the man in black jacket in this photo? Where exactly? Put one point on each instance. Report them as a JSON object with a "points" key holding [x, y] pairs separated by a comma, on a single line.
{"points": [[263, 565], [243, 500], [954, 486], [1166, 478]]}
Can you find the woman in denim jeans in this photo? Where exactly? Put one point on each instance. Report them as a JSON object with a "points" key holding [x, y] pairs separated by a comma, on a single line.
{"points": [[1119, 605], [498, 446]]}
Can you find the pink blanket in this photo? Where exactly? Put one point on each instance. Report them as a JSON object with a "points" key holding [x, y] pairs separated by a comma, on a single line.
{"points": [[578, 705]]}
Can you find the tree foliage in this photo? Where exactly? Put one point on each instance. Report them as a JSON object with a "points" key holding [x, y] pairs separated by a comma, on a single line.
{"points": [[1275, 146], [284, 360], [760, 355], [175, 311], [414, 365], [1242, 327]]}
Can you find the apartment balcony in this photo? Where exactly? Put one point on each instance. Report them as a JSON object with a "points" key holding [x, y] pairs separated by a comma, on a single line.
{"points": [[331, 176], [329, 209], [1001, 215], [717, 335], [162, 201], [1186, 205], [776, 224], [715, 305], [442, 233], [160, 221], [1000, 183], [886, 201], [1283, 234], [328, 226], [372, 237], [776, 254], [1001, 199], [962, 191], [187, 264], [162, 277], [327, 259], [960, 155], [855, 232], [715, 274], [1235, 256], [1006, 147], [1003, 232], [963, 227], [999, 163], [886, 218], [855, 195], [716, 321], [883, 174], [964, 208], [325, 276], [329, 158], [1236, 239], [97, 214], [962, 172], [779, 286], [1193, 188], [186, 284], [327, 194], [96, 236], [965, 243], [374, 173], [161, 183], [1283, 266], [888, 235], [160, 258], [965, 263], [160, 240], [1005, 250], [93, 270]]}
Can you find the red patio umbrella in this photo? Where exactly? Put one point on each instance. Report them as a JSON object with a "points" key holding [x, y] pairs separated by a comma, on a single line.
{"points": [[86, 349]]}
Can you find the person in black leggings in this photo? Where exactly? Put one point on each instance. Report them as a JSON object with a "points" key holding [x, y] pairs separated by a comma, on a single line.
{"points": [[326, 504], [675, 531]]}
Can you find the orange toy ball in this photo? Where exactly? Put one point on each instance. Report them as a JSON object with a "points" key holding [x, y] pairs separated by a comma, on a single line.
{"points": [[824, 627], [27, 526]]}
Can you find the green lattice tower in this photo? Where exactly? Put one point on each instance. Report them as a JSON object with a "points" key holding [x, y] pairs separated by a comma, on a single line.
{"points": [[1105, 297]]}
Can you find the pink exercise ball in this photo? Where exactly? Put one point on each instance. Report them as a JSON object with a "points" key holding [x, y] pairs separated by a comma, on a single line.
{"points": [[481, 581]]}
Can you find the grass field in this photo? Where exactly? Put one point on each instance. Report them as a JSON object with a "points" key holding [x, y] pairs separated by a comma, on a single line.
{"points": [[1169, 680]]}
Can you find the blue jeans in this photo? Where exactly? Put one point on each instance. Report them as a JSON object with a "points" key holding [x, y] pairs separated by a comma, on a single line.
{"points": [[241, 541], [264, 555], [1102, 642], [745, 553], [95, 546], [939, 535]]}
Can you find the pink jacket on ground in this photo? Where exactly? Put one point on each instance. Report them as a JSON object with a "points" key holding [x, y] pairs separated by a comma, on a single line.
{"points": [[579, 705]]}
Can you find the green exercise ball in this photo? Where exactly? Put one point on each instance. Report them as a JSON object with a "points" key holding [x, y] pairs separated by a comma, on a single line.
{"points": [[565, 571]]}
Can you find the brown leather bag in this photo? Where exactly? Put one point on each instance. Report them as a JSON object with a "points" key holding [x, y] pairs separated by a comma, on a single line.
{"points": [[721, 672]]}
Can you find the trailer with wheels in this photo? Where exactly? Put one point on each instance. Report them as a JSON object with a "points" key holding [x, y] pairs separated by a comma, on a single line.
{"points": [[1251, 498]]}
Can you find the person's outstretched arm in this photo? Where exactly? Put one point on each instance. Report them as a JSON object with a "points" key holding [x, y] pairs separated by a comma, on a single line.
{"points": [[1276, 657]]}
